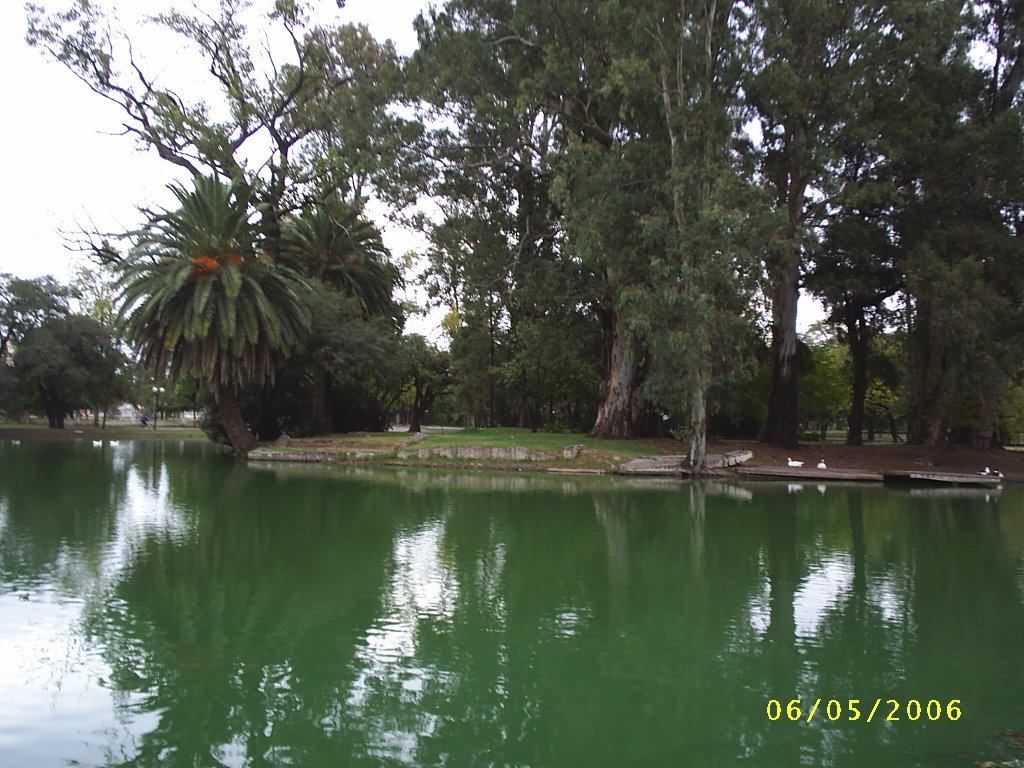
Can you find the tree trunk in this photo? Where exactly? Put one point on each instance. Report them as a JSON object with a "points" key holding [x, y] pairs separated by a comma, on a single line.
{"points": [[892, 427], [983, 436], [781, 427], [319, 423], [416, 413], [698, 427], [621, 378], [928, 372], [859, 356], [241, 439], [523, 417]]}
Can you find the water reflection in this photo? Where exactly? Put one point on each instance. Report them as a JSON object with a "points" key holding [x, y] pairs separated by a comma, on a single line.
{"points": [[163, 606]]}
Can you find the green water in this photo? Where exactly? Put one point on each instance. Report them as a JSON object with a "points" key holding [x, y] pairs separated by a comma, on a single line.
{"points": [[161, 605]]}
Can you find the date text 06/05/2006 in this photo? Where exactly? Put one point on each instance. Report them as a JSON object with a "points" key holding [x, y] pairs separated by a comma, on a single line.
{"points": [[852, 710]]}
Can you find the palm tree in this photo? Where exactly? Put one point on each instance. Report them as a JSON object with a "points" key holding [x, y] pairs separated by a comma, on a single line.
{"points": [[335, 244], [199, 297]]}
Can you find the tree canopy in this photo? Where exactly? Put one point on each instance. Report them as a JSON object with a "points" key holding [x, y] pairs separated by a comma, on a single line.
{"points": [[626, 199]]}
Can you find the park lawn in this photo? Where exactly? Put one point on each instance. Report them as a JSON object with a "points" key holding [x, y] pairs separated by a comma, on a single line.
{"points": [[596, 454], [552, 443], [115, 430], [359, 441]]}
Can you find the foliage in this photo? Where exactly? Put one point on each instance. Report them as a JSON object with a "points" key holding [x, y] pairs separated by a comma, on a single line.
{"points": [[200, 298], [628, 197]]}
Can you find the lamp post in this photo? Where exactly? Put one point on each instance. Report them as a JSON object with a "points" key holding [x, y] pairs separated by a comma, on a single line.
{"points": [[157, 391]]}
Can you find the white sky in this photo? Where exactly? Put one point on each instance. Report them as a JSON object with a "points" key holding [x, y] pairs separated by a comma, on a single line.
{"points": [[65, 169]]}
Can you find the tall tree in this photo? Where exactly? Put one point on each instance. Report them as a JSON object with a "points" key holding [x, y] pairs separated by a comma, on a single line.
{"points": [[809, 57], [695, 304], [962, 149], [494, 255], [200, 296]]}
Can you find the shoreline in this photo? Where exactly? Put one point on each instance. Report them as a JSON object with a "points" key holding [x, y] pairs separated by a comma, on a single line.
{"points": [[573, 454]]}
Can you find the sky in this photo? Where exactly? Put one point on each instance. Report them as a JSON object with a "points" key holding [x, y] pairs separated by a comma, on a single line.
{"points": [[66, 169]]}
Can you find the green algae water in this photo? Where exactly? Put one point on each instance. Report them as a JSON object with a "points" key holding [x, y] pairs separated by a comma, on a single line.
{"points": [[162, 605]]}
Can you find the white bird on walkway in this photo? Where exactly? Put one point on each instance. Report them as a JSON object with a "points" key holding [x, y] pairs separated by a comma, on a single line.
{"points": [[97, 443], [15, 442], [113, 442], [822, 465], [793, 462]]}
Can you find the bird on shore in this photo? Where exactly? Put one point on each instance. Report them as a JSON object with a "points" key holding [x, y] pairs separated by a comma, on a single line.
{"points": [[113, 442], [988, 472], [97, 443], [822, 465], [15, 442], [793, 462]]}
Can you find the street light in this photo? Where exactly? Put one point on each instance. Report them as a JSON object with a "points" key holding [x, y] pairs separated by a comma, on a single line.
{"points": [[157, 391]]}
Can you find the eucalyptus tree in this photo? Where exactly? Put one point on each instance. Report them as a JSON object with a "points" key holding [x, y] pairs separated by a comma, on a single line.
{"points": [[201, 296], [699, 297], [494, 247], [809, 60], [961, 146], [530, 227], [855, 270]]}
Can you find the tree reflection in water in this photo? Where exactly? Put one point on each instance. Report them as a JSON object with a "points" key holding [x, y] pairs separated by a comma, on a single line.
{"points": [[265, 617]]}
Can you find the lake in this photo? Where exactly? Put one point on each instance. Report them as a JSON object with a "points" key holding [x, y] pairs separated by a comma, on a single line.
{"points": [[163, 605]]}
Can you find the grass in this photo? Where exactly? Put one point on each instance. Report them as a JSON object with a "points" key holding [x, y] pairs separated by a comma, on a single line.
{"points": [[115, 430], [596, 454], [554, 443]]}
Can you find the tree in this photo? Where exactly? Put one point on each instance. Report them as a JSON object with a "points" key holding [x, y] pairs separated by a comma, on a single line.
{"points": [[286, 125], [960, 145], [26, 304], [695, 305], [335, 245], [199, 296], [67, 363], [495, 256], [809, 58], [428, 368], [826, 396]]}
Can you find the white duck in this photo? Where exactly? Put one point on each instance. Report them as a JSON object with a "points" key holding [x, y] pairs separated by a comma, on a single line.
{"points": [[822, 465], [97, 443], [793, 463]]}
